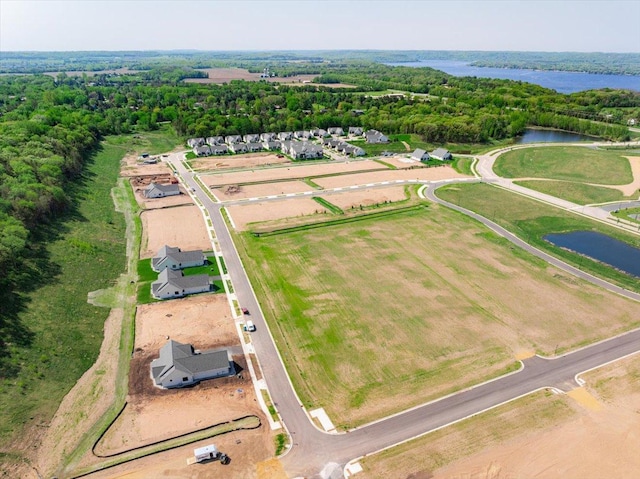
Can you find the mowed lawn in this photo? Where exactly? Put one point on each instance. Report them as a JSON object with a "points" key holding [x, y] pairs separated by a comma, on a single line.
{"points": [[569, 163], [579, 193], [379, 315]]}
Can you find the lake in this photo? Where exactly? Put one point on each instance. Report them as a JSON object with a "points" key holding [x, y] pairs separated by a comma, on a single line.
{"points": [[563, 82], [600, 247], [535, 135]]}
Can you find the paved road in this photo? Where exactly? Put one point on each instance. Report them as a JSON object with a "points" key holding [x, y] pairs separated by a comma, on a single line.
{"points": [[317, 454]]}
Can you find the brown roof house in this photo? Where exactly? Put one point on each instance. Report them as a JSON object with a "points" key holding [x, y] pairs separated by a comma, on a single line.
{"points": [[180, 365]]}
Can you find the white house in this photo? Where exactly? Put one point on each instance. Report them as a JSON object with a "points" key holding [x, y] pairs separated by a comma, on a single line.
{"points": [[420, 155], [440, 154], [202, 150], [302, 150], [180, 365], [155, 190], [173, 284], [173, 258], [374, 136]]}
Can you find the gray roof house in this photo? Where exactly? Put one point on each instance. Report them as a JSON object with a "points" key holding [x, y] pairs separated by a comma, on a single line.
{"points": [[441, 154], [271, 145], [251, 147], [193, 142], [302, 150], [180, 365], [285, 135], [355, 131], [285, 146], [173, 258], [267, 137], [374, 136], [251, 138], [231, 139], [319, 133], [215, 140], [238, 147], [302, 134], [155, 190], [219, 149], [420, 155], [173, 284], [335, 130], [203, 150], [354, 151]]}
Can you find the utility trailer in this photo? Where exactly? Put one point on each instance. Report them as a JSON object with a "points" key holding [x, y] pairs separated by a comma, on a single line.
{"points": [[208, 453]]}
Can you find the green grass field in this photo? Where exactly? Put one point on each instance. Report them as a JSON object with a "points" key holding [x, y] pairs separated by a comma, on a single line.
{"points": [[82, 251], [531, 220], [569, 163], [381, 314], [579, 193]]}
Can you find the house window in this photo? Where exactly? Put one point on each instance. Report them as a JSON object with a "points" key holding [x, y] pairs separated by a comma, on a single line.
{"points": [[185, 379]]}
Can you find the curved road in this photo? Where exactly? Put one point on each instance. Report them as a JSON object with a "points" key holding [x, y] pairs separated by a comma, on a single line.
{"points": [[318, 454]]}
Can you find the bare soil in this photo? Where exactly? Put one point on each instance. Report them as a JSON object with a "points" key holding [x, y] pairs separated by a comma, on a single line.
{"points": [[238, 161], [244, 215], [596, 443], [257, 191], [367, 197], [182, 226], [298, 171], [403, 162], [441, 173], [132, 166]]}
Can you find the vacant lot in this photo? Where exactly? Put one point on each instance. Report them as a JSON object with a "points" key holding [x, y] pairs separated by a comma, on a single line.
{"points": [[379, 315], [580, 193], [367, 197], [532, 220], [297, 171], [132, 166], [264, 189], [441, 173], [225, 75], [538, 436], [244, 215], [238, 161], [182, 226], [570, 163]]}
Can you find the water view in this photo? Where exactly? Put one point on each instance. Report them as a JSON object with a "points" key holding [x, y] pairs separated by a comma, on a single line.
{"points": [[535, 135], [563, 82], [600, 247]]}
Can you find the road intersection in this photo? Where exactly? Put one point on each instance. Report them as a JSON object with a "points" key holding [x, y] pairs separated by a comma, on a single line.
{"points": [[315, 453]]}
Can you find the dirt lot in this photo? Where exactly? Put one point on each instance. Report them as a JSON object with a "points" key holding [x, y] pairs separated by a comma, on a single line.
{"points": [[596, 443], [191, 233], [301, 171], [238, 161], [131, 166], [403, 162], [367, 197], [265, 189], [157, 203], [274, 210], [441, 173], [225, 75]]}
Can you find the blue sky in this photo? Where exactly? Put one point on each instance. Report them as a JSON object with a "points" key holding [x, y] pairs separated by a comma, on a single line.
{"points": [[528, 25]]}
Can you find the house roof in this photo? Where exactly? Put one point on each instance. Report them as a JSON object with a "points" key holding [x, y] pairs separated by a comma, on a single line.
{"points": [[176, 254], [169, 279], [183, 358], [418, 153], [440, 152], [164, 188]]}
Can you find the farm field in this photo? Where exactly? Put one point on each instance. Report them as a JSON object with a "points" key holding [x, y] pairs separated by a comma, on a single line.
{"points": [[569, 163], [379, 315], [160, 227], [532, 220], [541, 435]]}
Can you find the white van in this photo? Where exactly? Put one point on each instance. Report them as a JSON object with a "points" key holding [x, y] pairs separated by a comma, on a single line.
{"points": [[249, 326]]}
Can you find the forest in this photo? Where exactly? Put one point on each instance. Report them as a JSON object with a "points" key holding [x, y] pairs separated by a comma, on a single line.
{"points": [[49, 126]]}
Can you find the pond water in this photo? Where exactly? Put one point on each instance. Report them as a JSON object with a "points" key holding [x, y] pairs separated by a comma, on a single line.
{"points": [[563, 82], [600, 247], [534, 135]]}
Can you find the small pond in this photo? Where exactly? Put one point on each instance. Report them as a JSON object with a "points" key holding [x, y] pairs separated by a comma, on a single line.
{"points": [[600, 247], [534, 135]]}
